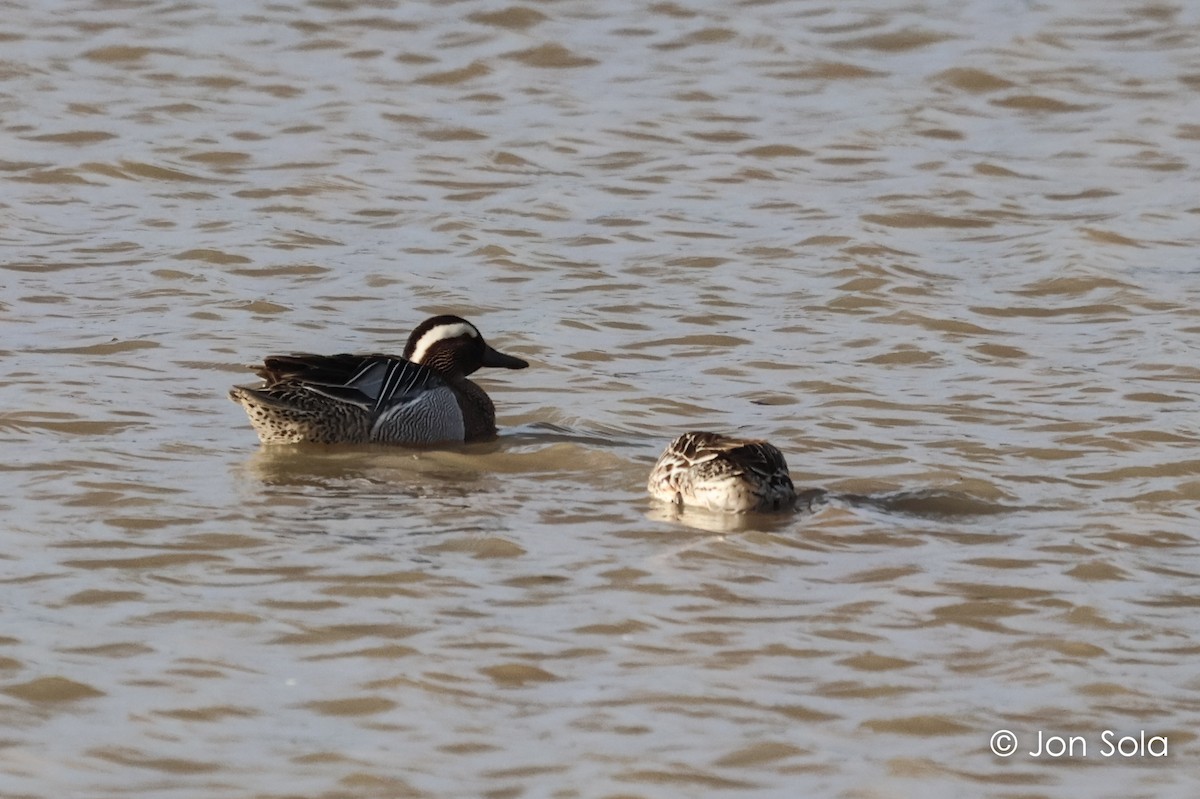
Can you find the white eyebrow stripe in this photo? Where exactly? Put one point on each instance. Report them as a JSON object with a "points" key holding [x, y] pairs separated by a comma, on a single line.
{"points": [[439, 333]]}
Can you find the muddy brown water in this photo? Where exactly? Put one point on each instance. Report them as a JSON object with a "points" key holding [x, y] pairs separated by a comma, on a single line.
{"points": [[942, 254]]}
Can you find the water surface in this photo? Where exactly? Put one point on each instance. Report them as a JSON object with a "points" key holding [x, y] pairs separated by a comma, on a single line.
{"points": [[942, 254]]}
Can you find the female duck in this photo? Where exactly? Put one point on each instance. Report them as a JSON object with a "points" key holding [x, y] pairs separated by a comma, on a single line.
{"points": [[422, 397], [719, 473]]}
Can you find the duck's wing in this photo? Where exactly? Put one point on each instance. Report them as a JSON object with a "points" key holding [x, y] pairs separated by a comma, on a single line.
{"points": [[304, 367], [373, 382]]}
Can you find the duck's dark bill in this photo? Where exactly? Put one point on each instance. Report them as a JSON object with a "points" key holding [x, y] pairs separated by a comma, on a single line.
{"points": [[500, 360]]}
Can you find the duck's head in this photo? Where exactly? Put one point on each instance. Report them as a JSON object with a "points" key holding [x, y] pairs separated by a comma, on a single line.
{"points": [[453, 346]]}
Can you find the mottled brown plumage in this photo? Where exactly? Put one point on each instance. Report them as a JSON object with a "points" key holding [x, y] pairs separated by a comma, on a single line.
{"points": [[719, 473]]}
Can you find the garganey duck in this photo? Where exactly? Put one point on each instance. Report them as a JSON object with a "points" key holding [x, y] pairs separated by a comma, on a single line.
{"points": [[719, 473], [422, 397]]}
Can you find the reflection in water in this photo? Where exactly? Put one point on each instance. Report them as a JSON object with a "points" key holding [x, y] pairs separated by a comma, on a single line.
{"points": [[715, 522], [330, 466], [938, 255]]}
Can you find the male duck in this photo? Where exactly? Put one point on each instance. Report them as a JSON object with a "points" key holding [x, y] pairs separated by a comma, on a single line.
{"points": [[422, 397], [719, 473]]}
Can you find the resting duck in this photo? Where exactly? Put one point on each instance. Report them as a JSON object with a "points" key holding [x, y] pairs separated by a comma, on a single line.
{"points": [[421, 397], [719, 473]]}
